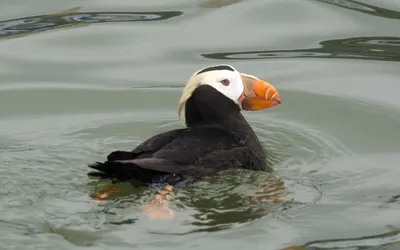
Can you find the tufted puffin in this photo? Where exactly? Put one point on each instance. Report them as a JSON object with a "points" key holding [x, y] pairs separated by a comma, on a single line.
{"points": [[216, 135]]}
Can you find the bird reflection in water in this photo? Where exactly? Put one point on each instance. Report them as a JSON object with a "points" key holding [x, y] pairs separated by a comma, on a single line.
{"points": [[216, 206]]}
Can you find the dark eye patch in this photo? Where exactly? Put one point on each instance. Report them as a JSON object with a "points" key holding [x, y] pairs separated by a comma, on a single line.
{"points": [[219, 67]]}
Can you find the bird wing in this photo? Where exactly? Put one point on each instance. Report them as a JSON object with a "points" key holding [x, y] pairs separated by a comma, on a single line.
{"points": [[174, 152], [146, 148], [194, 143], [183, 146], [238, 157]]}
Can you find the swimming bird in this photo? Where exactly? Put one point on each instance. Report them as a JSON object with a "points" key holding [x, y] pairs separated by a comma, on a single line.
{"points": [[216, 136]]}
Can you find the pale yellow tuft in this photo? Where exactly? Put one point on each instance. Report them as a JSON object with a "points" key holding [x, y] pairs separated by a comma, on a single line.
{"points": [[191, 85]]}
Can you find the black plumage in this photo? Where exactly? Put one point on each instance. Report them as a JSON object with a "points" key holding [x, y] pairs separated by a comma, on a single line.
{"points": [[217, 137], [217, 67]]}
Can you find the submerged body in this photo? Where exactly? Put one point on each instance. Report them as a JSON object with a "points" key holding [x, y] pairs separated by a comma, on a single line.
{"points": [[217, 137]]}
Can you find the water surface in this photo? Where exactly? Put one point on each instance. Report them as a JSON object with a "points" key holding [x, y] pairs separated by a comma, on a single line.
{"points": [[79, 79]]}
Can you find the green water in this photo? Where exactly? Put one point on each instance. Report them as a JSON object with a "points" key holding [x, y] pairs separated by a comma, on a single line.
{"points": [[79, 79]]}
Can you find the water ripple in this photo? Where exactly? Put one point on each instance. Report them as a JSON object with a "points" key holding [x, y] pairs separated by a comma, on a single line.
{"points": [[365, 48], [68, 19], [364, 8], [293, 144], [389, 240]]}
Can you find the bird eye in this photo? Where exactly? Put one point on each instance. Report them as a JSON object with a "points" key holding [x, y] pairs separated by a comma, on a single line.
{"points": [[225, 82]]}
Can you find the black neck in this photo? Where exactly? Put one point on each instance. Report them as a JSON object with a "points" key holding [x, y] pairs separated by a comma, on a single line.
{"points": [[207, 106]]}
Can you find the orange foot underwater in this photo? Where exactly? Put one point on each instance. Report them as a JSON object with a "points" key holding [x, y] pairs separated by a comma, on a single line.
{"points": [[158, 207], [154, 209], [104, 193]]}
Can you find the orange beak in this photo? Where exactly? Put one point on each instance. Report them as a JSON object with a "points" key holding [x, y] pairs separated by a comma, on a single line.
{"points": [[258, 94]]}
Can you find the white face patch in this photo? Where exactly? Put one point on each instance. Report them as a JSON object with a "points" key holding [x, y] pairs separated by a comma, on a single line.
{"points": [[218, 79]]}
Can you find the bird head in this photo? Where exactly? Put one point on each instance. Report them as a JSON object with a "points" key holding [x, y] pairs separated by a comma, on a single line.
{"points": [[248, 92]]}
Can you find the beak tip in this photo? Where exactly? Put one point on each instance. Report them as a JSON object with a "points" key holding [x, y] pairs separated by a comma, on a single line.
{"points": [[276, 100]]}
